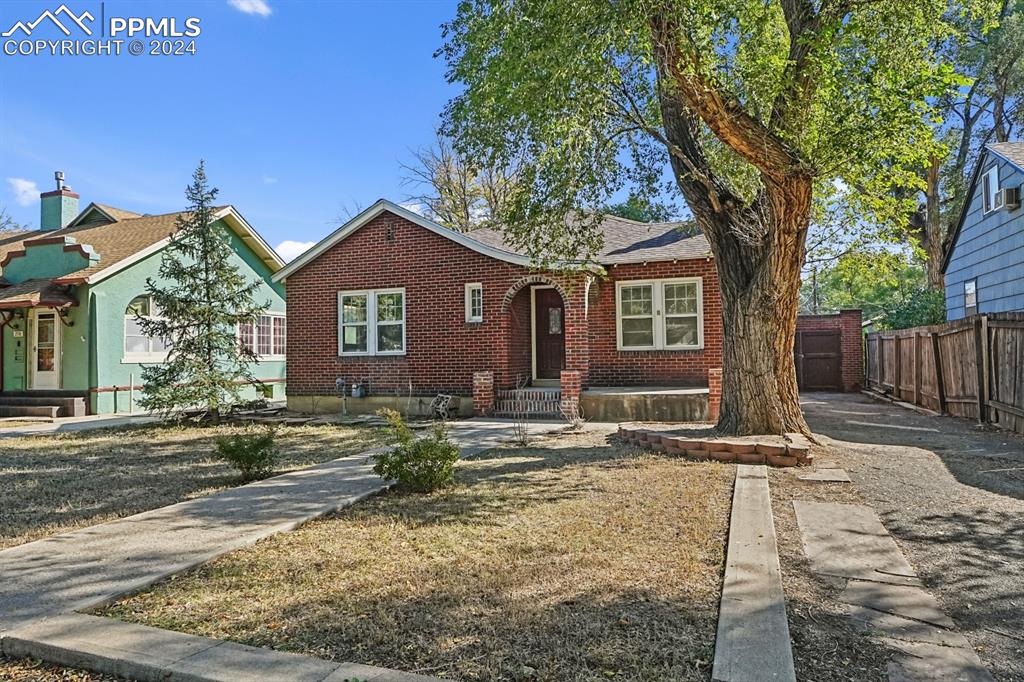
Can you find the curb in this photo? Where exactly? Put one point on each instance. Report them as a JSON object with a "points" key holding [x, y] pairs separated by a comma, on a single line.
{"points": [[752, 643]]}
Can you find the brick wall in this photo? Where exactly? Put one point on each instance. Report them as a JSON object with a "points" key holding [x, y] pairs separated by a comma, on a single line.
{"points": [[442, 350], [612, 367], [848, 322]]}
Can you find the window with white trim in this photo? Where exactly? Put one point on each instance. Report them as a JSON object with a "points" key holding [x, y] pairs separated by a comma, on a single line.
{"points": [[663, 314], [267, 337], [371, 322], [989, 188], [474, 303], [137, 345], [971, 297]]}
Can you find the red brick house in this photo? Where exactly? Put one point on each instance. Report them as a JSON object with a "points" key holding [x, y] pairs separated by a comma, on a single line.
{"points": [[404, 306]]}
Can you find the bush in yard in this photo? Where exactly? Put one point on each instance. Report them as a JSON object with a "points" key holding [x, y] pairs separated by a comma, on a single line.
{"points": [[418, 464], [253, 453]]}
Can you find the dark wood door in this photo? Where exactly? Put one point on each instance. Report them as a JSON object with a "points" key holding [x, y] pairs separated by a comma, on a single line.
{"points": [[549, 330], [819, 359]]}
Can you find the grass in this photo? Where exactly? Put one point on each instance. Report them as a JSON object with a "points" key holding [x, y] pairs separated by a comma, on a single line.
{"points": [[56, 483], [573, 559]]}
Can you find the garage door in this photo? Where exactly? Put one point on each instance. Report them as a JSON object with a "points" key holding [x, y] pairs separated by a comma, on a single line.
{"points": [[819, 359]]}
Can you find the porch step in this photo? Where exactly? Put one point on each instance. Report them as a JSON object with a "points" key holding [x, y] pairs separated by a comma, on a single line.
{"points": [[29, 411], [532, 402], [18, 404]]}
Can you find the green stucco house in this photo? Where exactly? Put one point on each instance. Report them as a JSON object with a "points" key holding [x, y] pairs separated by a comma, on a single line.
{"points": [[69, 296]]}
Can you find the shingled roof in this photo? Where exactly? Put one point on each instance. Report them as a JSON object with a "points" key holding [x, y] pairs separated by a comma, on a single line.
{"points": [[629, 241], [1011, 151], [117, 238]]}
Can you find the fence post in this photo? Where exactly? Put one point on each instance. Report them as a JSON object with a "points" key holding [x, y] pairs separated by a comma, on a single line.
{"points": [[940, 386], [897, 354], [981, 362], [917, 367], [880, 353]]}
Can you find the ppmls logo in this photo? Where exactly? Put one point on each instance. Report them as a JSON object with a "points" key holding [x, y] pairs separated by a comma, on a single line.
{"points": [[53, 17], [165, 36]]}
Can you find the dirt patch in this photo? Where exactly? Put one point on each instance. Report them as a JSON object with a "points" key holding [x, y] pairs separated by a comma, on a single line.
{"points": [[56, 483], [577, 558]]}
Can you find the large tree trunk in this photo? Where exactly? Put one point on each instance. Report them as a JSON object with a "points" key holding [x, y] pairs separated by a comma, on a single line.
{"points": [[760, 284]]}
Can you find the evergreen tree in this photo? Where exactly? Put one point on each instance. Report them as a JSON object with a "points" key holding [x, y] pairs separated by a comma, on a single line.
{"points": [[198, 303]]}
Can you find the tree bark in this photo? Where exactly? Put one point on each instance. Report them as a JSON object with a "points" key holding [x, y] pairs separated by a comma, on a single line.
{"points": [[931, 241]]}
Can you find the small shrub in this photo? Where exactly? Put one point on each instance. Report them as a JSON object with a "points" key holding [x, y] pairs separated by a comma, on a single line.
{"points": [[253, 452], [418, 464]]}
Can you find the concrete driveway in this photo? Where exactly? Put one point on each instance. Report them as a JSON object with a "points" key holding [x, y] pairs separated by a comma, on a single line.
{"points": [[952, 494]]}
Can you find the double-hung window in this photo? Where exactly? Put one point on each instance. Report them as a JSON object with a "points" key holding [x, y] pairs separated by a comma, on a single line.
{"points": [[664, 314], [137, 344], [266, 337], [371, 322], [474, 303], [989, 188]]}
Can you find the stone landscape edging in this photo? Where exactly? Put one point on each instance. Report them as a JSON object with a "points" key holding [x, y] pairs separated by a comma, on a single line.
{"points": [[796, 452]]}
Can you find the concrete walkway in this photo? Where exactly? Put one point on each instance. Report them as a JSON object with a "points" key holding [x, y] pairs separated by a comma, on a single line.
{"points": [[883, 595], [71, 424], [95, 565]]}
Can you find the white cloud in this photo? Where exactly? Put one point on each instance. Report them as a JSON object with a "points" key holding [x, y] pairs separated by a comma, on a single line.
{"points": [[415, 207], [26, 192], [269, 180], [290, 250], [260, 7]]}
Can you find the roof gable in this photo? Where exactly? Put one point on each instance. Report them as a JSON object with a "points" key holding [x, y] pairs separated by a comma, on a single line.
{"points": [[1010, 152], [381, 206], [127, 238]]}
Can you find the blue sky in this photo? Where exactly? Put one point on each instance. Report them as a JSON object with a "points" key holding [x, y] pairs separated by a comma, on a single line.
{"points": [[299, 108]]}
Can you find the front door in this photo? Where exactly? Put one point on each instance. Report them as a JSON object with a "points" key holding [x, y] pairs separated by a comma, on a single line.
{"points": [[45, 357], [549, 333]]}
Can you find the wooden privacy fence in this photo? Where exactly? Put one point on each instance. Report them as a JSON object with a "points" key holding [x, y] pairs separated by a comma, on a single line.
{"points": [[972, 367]]}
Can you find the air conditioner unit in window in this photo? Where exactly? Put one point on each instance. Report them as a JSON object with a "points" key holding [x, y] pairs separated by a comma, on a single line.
{"points": [[1008, 198]]}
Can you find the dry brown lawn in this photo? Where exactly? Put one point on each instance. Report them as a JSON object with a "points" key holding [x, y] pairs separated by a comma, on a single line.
{"points": [[573, 559], [29, 670], [51, 484]]}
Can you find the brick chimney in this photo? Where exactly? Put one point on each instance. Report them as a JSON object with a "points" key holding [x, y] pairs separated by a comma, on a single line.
{"points": [[59, 207]]}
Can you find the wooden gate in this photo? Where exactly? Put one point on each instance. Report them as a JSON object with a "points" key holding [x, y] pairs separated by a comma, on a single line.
{"points": [[819, 359]]}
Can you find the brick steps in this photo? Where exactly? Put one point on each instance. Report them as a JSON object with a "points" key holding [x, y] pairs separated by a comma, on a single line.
{"points": [[796, 452]]}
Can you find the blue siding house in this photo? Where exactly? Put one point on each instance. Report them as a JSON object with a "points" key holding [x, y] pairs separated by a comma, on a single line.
{"points": [[984, 264]]}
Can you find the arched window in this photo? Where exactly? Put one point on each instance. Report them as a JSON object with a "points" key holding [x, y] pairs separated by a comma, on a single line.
{"points": [[136, 342]]}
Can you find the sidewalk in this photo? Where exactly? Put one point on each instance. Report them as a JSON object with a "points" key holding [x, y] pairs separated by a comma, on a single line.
{"points": [[92, 566]]}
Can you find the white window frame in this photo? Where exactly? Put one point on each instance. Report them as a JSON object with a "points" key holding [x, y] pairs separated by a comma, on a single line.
{"points": [[657, 301], [470, 288], [973, 283], [134, 357], [274, 354], [989, 190], [372, 323]]}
